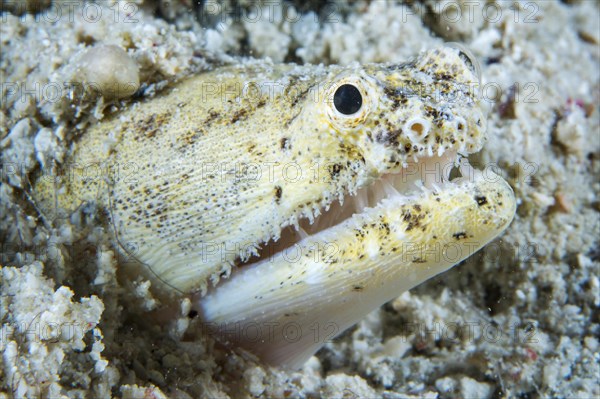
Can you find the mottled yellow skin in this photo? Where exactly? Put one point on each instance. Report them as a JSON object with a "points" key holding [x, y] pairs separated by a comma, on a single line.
{"points": [[199, 178]]}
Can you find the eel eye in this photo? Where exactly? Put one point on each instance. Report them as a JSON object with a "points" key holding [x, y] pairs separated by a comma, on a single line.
{"points": [[347, 99], [350, 98]]}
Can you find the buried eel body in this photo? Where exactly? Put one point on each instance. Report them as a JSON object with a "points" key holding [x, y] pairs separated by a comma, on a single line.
{"points": [[283, 198]]}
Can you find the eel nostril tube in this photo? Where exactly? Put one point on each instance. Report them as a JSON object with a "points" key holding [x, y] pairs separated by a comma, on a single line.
{"points": [[417, 129]]}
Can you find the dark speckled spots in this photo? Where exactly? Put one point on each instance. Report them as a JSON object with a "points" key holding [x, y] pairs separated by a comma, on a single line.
{"points": [[389, 138], [334, 170], [212, 115], [460, 235], [481, 200], [150, 125], [394, 97], [190, 137], [290, 120], [385, 226], [239, 115], [278, 193], [413, 220]]}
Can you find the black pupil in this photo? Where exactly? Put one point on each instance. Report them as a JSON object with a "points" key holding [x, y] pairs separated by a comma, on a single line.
{"points": [[347, 99]]}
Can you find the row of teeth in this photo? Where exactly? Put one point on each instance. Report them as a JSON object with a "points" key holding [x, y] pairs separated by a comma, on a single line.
{"points": [[427, 175]]}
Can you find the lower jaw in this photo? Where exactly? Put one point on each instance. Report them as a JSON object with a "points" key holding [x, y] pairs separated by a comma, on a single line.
{"points": [[334, 276]]}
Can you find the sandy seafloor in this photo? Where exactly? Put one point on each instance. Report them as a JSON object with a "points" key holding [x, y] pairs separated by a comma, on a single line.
{"points": [[519, 319]]}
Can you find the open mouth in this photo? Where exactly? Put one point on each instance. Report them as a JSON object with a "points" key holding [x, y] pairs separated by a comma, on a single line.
{"points": [[427, 174]]}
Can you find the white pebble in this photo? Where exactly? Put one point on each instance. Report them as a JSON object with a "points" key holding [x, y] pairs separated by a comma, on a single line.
{"points": [[109, 70]]}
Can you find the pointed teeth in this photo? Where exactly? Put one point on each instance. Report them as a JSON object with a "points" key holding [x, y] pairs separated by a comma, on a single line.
{"points": [[312, 214], [390, 190], [294, 222], [466, 170], [301, 233], [251, 251], [360, 201], [424, 188]]}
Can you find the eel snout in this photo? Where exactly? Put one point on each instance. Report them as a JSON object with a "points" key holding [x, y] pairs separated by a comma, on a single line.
{"points": [[285, 307]]}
